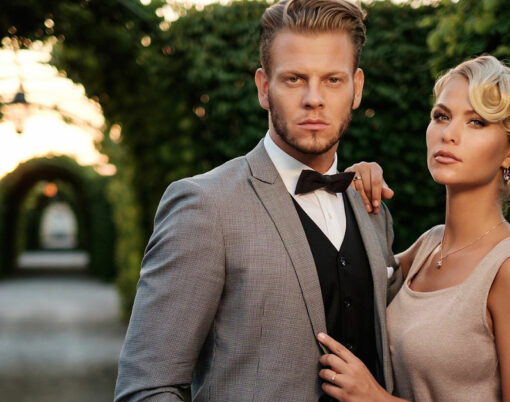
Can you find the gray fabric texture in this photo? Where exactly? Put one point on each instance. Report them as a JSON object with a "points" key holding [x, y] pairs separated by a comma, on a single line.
{"points": [[229, 299]]}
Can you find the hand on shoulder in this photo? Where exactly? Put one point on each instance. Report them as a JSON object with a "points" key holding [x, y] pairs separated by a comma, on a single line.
{"points": [[369, 182]]}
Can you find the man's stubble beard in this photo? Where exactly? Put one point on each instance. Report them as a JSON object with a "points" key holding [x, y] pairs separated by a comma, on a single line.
{"points": [[280, 126]]}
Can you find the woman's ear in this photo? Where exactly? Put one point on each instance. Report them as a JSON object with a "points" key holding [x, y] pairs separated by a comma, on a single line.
{"points": [[506, 162]]}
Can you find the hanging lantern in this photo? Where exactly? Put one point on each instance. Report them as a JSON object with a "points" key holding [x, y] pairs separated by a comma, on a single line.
{"points": [[17, 110]]}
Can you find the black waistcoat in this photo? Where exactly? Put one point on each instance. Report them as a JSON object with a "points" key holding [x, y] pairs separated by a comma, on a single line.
{"points": [[347, 288]]}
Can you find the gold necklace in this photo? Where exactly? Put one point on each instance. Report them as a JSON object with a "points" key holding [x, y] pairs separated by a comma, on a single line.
{"points": [[439, 263]]}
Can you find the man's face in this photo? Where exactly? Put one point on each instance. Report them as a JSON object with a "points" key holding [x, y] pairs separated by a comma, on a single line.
{"points": [[310, 93]]}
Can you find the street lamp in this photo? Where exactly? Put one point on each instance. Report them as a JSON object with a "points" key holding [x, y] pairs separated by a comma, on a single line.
{"points": [[17, 110]]}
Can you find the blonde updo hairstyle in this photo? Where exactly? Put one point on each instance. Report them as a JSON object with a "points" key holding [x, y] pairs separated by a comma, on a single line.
{"points": [[489, 92]]}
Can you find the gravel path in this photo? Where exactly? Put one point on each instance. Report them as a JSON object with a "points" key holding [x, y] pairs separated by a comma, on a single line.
{"points": [[60, 339]]}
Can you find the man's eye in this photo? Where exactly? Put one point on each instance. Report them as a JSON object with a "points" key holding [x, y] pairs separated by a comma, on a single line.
{"points": [[334, 80], [293, 80]]}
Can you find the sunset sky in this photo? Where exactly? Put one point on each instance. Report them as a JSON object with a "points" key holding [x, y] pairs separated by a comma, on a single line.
{"points": [[45, 131]]}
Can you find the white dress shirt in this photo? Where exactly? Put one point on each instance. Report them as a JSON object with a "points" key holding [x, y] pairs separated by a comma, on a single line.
{"points": [[323, 207]]}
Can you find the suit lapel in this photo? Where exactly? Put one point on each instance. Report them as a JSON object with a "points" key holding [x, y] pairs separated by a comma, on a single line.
{"points": [[273, 194], [373, 249]]}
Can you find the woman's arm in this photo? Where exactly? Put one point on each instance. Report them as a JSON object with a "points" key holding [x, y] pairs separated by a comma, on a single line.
{"points": [[347, 379], [498, 304], [406, 257]]}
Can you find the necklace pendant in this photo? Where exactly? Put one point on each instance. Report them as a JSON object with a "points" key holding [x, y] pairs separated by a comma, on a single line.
{"points": [[439, 264]]}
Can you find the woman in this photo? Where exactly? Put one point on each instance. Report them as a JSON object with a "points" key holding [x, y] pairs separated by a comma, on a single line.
{"points": [[449, 326]]}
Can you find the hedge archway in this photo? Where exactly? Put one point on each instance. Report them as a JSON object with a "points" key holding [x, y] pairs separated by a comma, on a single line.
{"points": [[92, 209]]}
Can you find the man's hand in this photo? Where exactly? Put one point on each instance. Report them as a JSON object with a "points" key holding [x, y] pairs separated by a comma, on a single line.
{"points": [[369, 182]]}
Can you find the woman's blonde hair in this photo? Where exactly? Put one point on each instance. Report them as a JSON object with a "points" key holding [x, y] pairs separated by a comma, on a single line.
{"points": [[489, 92]]}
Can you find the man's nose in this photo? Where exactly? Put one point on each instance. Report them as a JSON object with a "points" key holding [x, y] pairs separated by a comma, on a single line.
{"points": [[313, 96]]}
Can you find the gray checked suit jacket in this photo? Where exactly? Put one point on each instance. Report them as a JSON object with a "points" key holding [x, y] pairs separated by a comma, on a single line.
{"points": [[229, 301]]}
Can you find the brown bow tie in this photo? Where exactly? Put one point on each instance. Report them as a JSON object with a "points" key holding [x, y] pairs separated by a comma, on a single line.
{"points": [[310, 180]]}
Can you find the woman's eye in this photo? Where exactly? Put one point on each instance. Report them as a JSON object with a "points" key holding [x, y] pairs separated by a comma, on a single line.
{"points": [[439, 116], [477, 123]]}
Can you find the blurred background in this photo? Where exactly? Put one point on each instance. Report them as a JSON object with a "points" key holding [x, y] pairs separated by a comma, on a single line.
{"points": [[106, 102]]}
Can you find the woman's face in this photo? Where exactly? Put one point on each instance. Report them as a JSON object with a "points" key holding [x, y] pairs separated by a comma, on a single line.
{"points": [[464, 150]]}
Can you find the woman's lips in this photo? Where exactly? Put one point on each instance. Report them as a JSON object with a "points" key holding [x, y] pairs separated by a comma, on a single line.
{"points": [[446, 157]]}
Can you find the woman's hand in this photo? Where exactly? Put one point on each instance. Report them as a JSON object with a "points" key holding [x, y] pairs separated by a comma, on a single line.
{"points": [[369, 182], [346, 377]]}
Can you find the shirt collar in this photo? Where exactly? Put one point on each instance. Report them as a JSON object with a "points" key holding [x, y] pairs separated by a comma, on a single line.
{"points": [[288, 167]]}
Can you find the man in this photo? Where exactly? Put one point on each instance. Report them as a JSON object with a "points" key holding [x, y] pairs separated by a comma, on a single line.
{"points": [[241, 272]]}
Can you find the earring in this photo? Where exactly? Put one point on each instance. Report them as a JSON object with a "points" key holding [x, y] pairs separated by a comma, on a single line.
{"points": [[506, 173]]}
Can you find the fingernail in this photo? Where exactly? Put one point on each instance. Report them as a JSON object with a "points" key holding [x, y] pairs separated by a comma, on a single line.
{"points": [[369, 207], [321, 336], [376, 203]]}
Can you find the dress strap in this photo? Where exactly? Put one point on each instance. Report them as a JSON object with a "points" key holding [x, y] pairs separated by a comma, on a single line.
{"points": [[487, 269], [431, 239]]}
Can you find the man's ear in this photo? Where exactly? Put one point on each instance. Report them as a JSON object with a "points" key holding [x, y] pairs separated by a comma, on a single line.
{"points": [[359, 80], [262, 82]]}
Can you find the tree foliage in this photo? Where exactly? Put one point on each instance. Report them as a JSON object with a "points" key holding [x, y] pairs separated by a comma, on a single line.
{"points": [[390, 125], [469, 28], [186, 100]]}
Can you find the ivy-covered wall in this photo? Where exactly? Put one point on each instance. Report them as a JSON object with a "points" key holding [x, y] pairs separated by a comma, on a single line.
{"points": [[184, 96]]}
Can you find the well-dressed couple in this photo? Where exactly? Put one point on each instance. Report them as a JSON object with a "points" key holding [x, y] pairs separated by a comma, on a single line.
{"points": [[251, 264]]}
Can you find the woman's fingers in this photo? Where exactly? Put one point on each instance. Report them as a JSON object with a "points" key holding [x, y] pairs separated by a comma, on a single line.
{"points": [[369, 182], [387, 192], [346, 377], [335, 347], [335, 363], [331, 376], [332, 390], [332, 384], [357, 184]]}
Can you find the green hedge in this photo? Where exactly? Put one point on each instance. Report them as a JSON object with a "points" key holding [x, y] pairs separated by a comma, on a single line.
{"points": [[187, 101], [87, 191], [466, 29]]}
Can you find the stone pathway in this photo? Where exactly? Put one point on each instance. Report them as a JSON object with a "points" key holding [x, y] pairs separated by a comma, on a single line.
{"points": [[60, 339]]}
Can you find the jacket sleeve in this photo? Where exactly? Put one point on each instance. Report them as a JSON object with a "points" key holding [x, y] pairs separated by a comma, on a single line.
{"points": [[180, 286], [395, 280]]}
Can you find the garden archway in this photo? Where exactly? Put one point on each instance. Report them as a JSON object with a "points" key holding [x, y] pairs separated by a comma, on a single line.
{"points": [[90, 205]]}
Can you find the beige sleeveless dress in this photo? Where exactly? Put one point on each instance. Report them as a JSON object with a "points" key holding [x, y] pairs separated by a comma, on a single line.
{"points": [[441, 346]]}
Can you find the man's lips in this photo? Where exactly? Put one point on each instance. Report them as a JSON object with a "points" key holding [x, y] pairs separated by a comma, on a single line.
{"points": [[311, 124], [446, 157]]}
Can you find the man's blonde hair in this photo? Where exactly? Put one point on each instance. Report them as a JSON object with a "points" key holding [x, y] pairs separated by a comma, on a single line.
{"points": [[489, 91], [311, 16]]}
